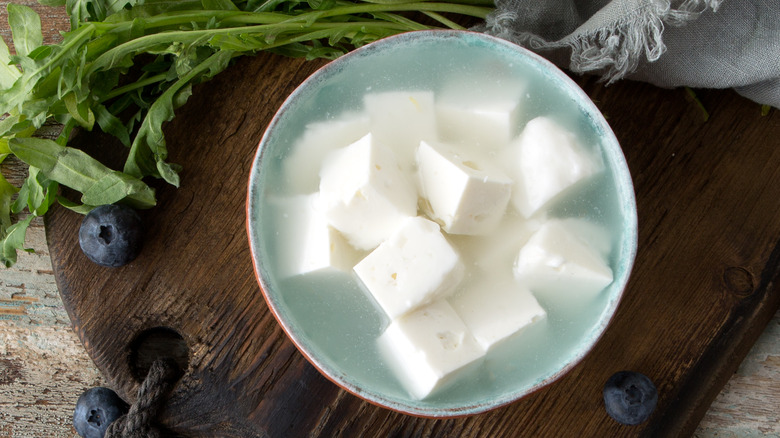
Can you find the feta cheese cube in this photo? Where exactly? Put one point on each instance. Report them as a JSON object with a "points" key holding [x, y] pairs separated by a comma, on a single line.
{"points": [[302, 165], [415, 266], [495, 307], [481, 116], [428, 347], [305, 240], [465, 193], [545, 160], [495, 253], [400, 120], [555, 261], [364, 193]]}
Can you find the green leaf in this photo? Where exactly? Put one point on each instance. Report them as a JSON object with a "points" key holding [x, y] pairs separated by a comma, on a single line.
{"points": [[21, 200], [695, 99], [74, 206], [17, 98], [81, 11], [13, 124], [7, 191], [31, 194], [149, 151], [80, 111], [13, 240], [263, 5], [219, 5], [151, 8], [76, 169], [37, 194], [52, 2], [111, 124], [8, 73], [238, 43], [25, 27], [110, 188], [322, 4], [40, 52]]}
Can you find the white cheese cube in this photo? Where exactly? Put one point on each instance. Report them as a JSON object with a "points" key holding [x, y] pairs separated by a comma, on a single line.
{"points": [[593, 235], [415, 266], [495, 253], [555, 261], [495, 307], [545, 160], [428, 347], [365, 194], [306, 243], [480, 116], [400, 120], [465, 193], [302, 165]]}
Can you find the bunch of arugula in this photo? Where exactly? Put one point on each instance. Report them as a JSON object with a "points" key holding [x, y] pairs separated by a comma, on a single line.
{"points": [[83, 81]]}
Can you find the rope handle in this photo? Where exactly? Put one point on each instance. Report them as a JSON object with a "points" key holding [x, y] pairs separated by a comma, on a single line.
{"points": [[139, 421]]}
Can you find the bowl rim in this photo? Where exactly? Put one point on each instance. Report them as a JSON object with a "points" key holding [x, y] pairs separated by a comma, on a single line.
{"points": [[624, 186]]}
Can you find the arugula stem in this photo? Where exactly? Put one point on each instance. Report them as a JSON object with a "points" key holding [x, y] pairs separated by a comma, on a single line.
{"points": [[81, 34], [67, 128], [134, 86], [444, 20], [474, 8], [489, 3], [193, 40], [296, 23], [149, 42], [469, 10]]}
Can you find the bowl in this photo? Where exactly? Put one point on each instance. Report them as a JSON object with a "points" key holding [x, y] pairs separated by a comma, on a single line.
{"points": [[329, 315]]}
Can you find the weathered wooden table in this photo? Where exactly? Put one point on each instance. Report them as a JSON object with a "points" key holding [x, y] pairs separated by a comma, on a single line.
{"points": [[44, 367]]}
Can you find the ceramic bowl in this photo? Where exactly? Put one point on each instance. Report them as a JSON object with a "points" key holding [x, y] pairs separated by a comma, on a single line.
{"points": [[331, 319]]}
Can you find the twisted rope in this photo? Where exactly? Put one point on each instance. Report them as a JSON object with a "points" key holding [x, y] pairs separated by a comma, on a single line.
{"points": [[138, 422]]}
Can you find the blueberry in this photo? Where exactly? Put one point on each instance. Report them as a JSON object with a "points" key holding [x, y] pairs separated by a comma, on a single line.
{"points": [[630, 397], [96, 408], [111, 235]]}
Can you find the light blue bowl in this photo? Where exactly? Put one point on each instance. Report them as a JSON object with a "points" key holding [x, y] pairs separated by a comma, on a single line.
{"points": [[330, 319]]}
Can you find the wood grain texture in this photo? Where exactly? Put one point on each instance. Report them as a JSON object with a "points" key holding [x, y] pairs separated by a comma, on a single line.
{"points": [[44, 367], [702, 290]]}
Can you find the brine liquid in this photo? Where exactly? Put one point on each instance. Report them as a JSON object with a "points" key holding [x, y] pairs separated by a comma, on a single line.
{"points": [[340, 320]]}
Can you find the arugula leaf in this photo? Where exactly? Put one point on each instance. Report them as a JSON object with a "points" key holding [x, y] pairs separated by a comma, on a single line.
{"points": [[75, 169], [225, 5], [38, 192], [148, 152], [74, 206], [8, 73], [79, 111], [7, 191], [12, 240], [127, 65], [110, 124], [25, 27], [81, 11]]}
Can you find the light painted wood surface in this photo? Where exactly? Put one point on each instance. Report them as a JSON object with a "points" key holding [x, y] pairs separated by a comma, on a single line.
{"points": [[43, 366]]}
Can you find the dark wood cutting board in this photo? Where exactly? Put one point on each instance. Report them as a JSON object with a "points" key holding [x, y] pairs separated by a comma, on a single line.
{"points": [[703, 288]]}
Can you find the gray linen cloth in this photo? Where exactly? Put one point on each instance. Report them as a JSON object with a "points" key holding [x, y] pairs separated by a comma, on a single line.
{"points": [[694, 43]]}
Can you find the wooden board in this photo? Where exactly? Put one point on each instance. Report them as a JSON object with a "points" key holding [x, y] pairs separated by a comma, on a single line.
{"points": [[703, 287]]}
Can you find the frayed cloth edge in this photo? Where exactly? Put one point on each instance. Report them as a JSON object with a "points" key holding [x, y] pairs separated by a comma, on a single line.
{"points": [[614, 50]]}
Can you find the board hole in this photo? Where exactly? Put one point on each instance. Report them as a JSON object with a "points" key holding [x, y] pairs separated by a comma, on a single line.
{"points": [[158, 343]]}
